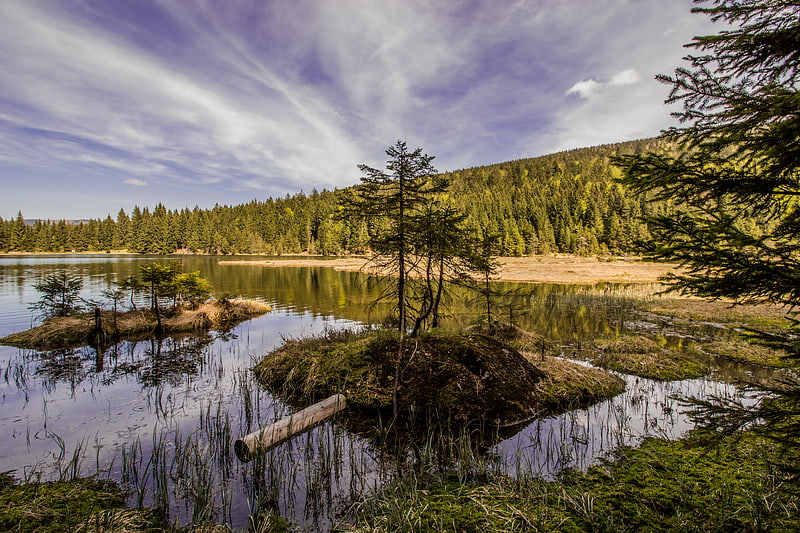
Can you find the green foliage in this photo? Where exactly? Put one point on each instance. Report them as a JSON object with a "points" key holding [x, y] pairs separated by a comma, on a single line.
{"points": [[563, 202], [191, 287], [736, 225], [740, 164], [59, 295], [393, 203]]}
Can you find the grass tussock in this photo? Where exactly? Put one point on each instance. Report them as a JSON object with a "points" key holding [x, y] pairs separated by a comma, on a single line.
{"points": [[471, 376], [662, 486], [69, 331], [642, 356], [747, 352], [569, 385]]}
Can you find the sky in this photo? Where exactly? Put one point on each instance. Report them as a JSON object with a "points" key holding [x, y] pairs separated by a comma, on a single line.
{"points": [[107, 104]]}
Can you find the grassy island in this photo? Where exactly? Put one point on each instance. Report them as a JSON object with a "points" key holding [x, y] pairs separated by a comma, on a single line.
{"points": [[470, 376], [67, 331]]}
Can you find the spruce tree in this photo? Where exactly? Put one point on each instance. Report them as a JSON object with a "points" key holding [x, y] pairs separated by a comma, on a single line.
{"points": [[739, 162]]}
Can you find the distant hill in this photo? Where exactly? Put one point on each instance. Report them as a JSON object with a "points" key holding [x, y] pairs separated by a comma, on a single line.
{"points": [[563, 202]]}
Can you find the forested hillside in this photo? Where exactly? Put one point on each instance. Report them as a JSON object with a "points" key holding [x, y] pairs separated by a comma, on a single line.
{"points": [[564, 202]]}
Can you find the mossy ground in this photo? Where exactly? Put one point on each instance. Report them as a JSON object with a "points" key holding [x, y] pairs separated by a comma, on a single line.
{"points": [[467, 376], [80, 505], [70, 331], [661, 486], [642, 356]]}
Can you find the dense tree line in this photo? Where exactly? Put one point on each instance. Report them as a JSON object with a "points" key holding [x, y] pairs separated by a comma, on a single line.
{"points": [[564, 202]]}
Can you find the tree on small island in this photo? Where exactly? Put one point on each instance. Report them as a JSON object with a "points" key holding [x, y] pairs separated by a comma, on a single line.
{"points": [[59, 295], [740, 164], [416, 237]]}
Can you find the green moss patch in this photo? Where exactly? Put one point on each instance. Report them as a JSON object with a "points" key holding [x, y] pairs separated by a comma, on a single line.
{"points": [[662, 486], [81, 505], [642, 356]]}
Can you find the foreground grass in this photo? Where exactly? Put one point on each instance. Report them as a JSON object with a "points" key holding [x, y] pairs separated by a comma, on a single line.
{"points": [[81, 505], [662, 486]]}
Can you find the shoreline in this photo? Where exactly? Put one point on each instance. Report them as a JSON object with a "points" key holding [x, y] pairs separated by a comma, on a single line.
{"points": [[557, 269]]}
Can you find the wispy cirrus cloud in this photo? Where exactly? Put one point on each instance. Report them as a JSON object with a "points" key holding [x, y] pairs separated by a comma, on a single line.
{"points": [[209, 105]]}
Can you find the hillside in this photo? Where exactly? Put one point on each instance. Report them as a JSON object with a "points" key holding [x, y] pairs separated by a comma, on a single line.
{"points": [[564, 202]]}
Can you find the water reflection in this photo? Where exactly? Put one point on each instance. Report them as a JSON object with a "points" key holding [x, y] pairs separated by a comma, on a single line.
{"points": [[162, 415]]}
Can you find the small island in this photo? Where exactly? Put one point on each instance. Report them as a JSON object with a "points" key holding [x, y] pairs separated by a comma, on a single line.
{"points": [[68, 323], [492, 375]]}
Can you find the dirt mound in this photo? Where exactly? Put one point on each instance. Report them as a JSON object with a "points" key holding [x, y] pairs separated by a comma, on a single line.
{"points": [[471, 377]]}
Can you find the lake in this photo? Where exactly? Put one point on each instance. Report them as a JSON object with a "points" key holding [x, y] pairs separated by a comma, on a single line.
{"points": [[162, 416]]}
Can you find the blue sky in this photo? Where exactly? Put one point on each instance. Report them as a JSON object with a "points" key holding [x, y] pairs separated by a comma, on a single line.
{"points": [[111, 103]]}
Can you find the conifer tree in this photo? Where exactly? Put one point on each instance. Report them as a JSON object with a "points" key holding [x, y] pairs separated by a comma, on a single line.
{"points": [[740, 162]]}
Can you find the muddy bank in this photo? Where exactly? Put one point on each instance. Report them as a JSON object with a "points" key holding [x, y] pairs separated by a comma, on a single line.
{"points": [[536, 269], [69, 331]]}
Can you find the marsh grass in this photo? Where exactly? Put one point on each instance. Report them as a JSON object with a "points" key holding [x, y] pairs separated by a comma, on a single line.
{"points": [[753, 352], [661, 486], [643, 356], [80, 505]]}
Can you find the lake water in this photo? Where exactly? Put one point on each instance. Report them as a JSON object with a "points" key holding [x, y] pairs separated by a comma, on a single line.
{"points": [[162, 416]]}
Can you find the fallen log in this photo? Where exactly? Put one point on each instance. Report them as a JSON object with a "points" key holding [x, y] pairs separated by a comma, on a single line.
{"points": [[287, 428]]}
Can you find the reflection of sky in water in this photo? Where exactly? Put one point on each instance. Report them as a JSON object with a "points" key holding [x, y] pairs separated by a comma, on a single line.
{"points": [[50, 409], [579, 438]]}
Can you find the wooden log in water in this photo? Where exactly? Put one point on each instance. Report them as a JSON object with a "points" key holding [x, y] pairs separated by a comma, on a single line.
{"points": [[287, 428]]}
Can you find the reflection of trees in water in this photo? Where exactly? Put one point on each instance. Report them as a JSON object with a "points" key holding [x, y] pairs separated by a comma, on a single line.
{"points": [[70, 366], [169, 360], [153, 362]]}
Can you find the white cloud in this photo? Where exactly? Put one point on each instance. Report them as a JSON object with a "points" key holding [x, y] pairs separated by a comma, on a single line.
{"points": [[585, 89], [590, 88], [628, 76], [135, 182]]}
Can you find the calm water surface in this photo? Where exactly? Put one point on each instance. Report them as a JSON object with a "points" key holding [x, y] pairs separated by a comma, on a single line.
{"points": [[162, 416]]}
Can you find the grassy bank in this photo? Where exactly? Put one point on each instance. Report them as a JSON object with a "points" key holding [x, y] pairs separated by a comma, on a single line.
{"points": [[662, 486], [67, 331]]}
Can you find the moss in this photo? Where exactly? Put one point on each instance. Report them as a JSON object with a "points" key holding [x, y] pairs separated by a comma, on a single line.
{"points": [[644, 357], [661, 486], [83, 504]]}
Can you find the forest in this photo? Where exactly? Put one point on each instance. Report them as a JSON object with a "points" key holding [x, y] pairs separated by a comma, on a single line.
{"points": [[567, 202]]}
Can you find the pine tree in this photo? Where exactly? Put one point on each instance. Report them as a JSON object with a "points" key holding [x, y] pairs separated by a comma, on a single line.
{"points": [[740, 161]]}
